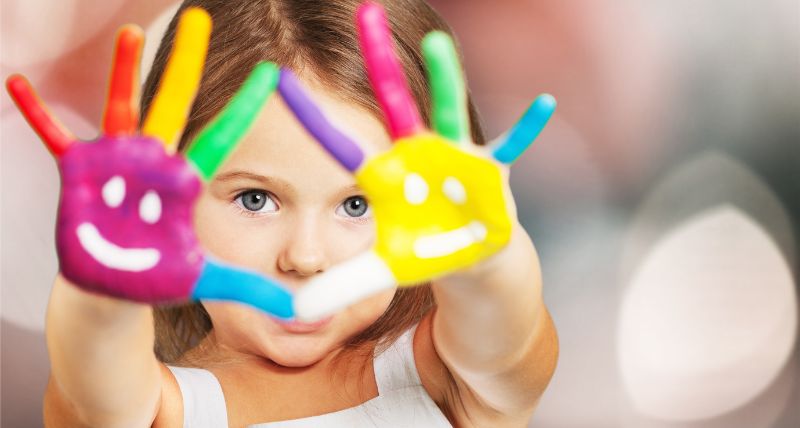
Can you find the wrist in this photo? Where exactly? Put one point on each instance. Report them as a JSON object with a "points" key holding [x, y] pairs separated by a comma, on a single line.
{"points": [[519, 249]]}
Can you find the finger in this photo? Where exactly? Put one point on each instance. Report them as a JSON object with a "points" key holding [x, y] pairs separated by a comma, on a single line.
{"points": [[448, 92], [219, 281], [385, 73], [121, 116], [53, 134], [339, 145], [170, 108], [342, 286], [217, 140], [519, 138]]}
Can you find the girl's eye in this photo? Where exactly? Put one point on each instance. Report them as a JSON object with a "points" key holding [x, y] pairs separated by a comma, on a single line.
{"points": [[256, 201], [356, 206]]}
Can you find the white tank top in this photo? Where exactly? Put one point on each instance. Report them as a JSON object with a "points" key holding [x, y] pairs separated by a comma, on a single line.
{"points": [[401, 402]]}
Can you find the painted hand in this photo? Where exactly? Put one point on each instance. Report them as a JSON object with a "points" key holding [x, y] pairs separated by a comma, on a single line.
{"points": [[125, 216], [439, 200]]}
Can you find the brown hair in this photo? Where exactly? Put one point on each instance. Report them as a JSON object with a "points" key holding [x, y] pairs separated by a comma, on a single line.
{"points": [[319, 39]]}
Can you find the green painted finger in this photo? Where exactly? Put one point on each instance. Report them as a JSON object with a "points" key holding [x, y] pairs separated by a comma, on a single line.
{"points": [[450, 118], [217, 140]]}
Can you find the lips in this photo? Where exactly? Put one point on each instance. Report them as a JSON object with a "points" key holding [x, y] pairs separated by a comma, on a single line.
{"points": [[444, 244], [113, 256], [299, 327]]}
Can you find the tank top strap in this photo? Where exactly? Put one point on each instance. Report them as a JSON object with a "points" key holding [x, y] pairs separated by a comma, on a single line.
{"points": [[203, 401], [395, 367]]}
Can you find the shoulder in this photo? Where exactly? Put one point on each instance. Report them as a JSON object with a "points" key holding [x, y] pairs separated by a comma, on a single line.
{"points": [[170, 413]]}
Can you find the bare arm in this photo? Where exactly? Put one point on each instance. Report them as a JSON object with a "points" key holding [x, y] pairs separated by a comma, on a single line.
{"points": [[103, 369], [494, 334]]}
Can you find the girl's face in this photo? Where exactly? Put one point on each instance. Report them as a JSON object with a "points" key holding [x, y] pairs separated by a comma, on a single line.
{"points": [[282, 206]]}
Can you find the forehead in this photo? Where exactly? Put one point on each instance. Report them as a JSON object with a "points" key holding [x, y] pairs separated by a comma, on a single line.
{"points": [[278, 146]]}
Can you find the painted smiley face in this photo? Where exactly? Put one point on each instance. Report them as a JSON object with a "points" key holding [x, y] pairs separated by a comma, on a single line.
{"points": [[430, 221], [125, 219]]}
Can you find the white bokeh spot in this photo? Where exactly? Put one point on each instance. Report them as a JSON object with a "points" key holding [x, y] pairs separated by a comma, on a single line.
{"points": [[708, 321]]}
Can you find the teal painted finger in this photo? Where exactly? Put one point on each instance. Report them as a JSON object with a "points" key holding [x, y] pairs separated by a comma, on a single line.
{"points": [[448, 92], [520, 137], [217, 140]]}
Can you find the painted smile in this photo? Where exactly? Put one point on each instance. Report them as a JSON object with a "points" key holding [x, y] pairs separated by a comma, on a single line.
{"points": [[447, 243], [113, 256]]}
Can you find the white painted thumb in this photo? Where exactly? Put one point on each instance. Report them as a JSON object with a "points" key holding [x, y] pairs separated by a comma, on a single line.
{"points": [[343, 285]]}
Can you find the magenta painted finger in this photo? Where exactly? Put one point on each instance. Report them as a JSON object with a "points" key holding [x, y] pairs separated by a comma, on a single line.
{"points": [[385, 72], [339, 145]]}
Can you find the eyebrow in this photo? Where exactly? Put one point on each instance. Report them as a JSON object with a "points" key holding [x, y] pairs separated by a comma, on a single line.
{"points": [[274, 181], [246, 175]]}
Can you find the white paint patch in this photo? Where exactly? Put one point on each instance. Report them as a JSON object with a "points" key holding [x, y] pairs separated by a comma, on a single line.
{"points": [[454, 190], [113, 256], [150, 207], [114, 191], [444, 244], [415, 188]]}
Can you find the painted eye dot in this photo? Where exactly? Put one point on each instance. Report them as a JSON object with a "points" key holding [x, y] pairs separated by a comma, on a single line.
{"points": [[415, 188], [114, 191], [454, 190], [150, 207]]}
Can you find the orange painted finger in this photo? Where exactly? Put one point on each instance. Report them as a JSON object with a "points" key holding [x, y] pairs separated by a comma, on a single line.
{"points": [[121, 116]]}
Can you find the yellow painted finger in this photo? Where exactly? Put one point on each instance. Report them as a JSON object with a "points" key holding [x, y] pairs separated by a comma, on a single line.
{"points": [[171, 106]]}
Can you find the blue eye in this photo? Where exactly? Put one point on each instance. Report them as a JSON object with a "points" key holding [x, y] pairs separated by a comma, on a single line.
{"points": [[356, 207], [256, 201]]}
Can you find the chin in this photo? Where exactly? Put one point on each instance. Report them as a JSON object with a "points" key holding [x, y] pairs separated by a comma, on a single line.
{"points": [[290, 348], [299, 350]]}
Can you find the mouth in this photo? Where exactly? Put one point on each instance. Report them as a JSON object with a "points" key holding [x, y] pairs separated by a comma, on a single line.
{"points": [[113, 256], [447, 243], [298, 327]]}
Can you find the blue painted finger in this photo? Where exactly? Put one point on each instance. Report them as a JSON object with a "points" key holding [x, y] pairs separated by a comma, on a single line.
{"points": [[520, 137], [219, 281]]}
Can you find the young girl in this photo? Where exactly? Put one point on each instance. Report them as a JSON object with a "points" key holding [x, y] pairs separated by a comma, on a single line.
{"points": [[473, 348]]}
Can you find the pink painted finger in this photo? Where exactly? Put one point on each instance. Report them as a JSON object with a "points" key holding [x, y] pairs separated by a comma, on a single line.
{"points": [[385, 73]]}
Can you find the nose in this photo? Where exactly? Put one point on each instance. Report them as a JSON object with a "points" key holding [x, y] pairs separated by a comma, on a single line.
{"points": [[304, 251]]}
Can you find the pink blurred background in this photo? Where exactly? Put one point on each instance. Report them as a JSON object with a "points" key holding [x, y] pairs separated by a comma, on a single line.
{"points": [[663, 197]]}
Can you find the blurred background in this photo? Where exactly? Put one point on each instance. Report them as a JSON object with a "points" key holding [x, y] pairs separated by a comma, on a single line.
{"points": [[663, 197]]}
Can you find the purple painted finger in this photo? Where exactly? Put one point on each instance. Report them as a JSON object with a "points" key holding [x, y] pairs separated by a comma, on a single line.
{"points": [[339, 145]]}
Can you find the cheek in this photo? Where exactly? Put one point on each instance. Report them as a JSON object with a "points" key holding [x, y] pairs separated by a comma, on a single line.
{"points": [[231, 237], [360, 238], [235, 325], [367, 311]]}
